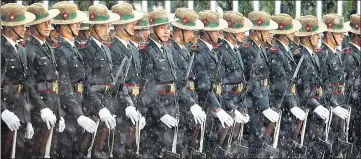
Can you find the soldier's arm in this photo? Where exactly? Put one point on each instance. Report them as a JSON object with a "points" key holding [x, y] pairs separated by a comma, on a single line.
{"points": [[150, 96], [88, 62], [279, 82], [226, 98], [66, 91], [203, 83], [34, 97], [304, 88]]}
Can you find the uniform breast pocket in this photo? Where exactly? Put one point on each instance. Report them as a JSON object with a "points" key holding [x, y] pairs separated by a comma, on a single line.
{"points": [[101, 67], [14, 64], [211, 65]]}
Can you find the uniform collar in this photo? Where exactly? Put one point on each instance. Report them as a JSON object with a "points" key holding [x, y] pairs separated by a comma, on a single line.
{"points": [[70, 42], [122, 41], [358, 47], [210, 47], [229, 43], [284, 45], [156, 43], [10, 41], [333, 50], [97, 42], [308, 49], [134, 43], [40, 41]]}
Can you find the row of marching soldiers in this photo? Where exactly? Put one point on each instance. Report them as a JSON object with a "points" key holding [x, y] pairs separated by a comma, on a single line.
{"points": [[209, 91]]}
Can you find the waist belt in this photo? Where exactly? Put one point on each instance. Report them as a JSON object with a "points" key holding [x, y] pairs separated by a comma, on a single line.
{"points": [[264, 82], [79, 87], [100, 87], [217, 89], [234, 88], [47, 87], [318, 92], [12, 88], [338, 88], [132, 88], [190, 86], [166, 88]]}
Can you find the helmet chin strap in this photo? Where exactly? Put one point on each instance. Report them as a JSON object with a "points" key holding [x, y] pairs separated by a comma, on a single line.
{"points": [[125, 30], [209, 36], [334, 39], [235, 38], [16, 33], [309, 40], [160, 40], [97, 33]]}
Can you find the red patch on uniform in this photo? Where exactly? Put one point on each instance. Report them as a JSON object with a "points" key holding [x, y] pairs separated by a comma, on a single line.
{"points": [[281, 26], [330, 25], [318, 50], [297, 52], [82, 45], [195, 47], [108, 44], [246, 45], [92, 16], [56, 45], [273, 49], [308, 27], [151, 20], [12, 16], [205, 22], [259, 21], [65, 15], [142, 46], [346, 51], [185, 20]]}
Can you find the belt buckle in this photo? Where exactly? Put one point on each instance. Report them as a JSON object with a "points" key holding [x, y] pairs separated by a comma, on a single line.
{"points": [[265, 82], [20, 86], [172, 88], [239, 87], [191, 85], [341, 88], [80, 87], [218, 89], [319, 92], [135, 90], [107, 86], [293, 89], [55, 86]]}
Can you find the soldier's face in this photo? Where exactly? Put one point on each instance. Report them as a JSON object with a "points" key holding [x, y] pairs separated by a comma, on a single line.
{"points": [[102, 30], [54, 35], [143, 34], [242, 37], [188, 35], [44, 28], [20, 30], [75, 27], [214, 35], [130, 28], [291, 36], [163, 31], [266, 35], [315, 39], [338, 37]]}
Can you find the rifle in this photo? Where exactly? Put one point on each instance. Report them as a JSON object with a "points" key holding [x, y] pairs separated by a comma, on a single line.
{"points": [[48, 143], [239, 150], [173, 154], [299, 149], [13, 149], [93, 138], [323, 146]]}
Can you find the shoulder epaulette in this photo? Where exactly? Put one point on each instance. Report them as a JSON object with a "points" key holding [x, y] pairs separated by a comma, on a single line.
{"points": [[108, 44], [246, 45], [81, 45], [194, 47], [297, 52], [346, 50], [318, 50], [216, 46]]}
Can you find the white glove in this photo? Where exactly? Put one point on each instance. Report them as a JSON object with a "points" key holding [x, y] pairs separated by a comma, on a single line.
{"points": [[106, 117], [86, 123], [322, 112], [142, 122], [224, 118], [132, 114], [239, 117], [11, 120], [298, 113], [271, 115], [48, 117], [169, 120], [246, 118], [198, 114], [340, 112], [61, 124], [29, 131]]}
